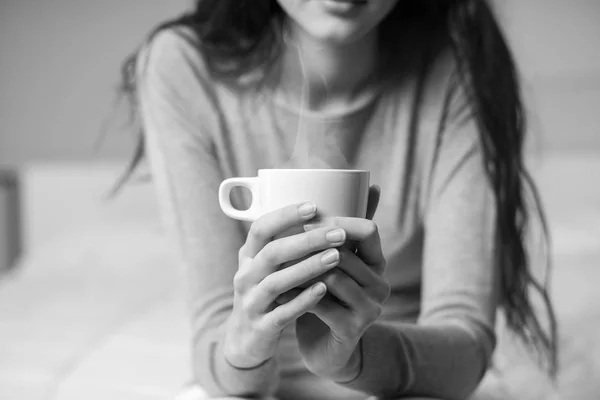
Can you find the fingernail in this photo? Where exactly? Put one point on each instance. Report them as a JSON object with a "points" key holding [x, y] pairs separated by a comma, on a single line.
{"points": [[307, 209], [330, 257], [319, 288], [336, 236]]}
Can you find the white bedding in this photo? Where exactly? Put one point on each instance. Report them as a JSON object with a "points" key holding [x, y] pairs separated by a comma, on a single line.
{"points": [[101, 311]]}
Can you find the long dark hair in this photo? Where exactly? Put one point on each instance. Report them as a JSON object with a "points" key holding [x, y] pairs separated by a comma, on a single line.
{"points": [[242, 31]]}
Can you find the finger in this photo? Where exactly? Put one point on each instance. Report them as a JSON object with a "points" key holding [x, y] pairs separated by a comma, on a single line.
{"points": [[361, 310], [333, 314], [287, 313], [294, 247], [363, 231], [374, 196], [270, 225], [346, 290], [355, 268], [284, 280]]}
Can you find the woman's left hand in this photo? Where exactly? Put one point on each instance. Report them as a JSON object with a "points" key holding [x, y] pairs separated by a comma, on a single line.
{"points": [[330, 334]]}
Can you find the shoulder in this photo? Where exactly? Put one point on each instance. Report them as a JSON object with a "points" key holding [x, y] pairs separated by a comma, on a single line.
{"points": [[445, 104], [440, 81], [174, 89], [172, 57]]}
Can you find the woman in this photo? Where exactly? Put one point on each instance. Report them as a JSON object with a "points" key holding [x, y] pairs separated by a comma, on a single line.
{"points": [[424, 94]]}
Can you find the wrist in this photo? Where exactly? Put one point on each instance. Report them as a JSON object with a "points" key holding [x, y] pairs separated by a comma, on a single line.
{"points": [[242, 352], [237, 376], [240, 356], [353, 367], [245, 365]]}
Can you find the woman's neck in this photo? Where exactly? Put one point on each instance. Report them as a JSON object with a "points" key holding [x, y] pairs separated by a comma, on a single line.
{"points": [[322, 76]]}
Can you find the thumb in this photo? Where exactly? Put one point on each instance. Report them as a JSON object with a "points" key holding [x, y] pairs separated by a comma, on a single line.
{"points": [[373, 202]]}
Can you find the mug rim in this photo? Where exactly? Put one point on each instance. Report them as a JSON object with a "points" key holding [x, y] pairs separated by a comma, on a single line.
{"points": [[336, 170]]}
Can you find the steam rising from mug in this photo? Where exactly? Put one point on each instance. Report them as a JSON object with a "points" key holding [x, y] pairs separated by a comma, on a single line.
{"points": [[312, 149]]}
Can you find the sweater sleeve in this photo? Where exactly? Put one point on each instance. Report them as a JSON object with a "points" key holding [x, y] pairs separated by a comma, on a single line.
{"points": [[446, 353], [180, 118]]}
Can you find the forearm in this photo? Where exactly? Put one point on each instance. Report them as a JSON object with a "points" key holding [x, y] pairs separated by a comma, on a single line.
{"points": [[220, 378], [446, 360], [180, 121]]}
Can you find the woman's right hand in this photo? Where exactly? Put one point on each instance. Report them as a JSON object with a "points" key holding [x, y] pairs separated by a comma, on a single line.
{"points": [[255, 324]]}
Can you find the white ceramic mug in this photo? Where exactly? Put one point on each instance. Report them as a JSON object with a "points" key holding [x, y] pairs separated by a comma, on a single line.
{"points": [[336, 192]]}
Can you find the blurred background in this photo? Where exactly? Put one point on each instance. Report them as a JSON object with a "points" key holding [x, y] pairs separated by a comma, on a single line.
{"points": [[89, 305]]}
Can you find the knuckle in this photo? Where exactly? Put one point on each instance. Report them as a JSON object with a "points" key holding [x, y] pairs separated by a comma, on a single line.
{"points": [[257, 230], [247, 305], [277, 322], [242, 252], [269, 254], [370, 314], [243, 261], [240, 280], [374, 313], [333, 278], [269, 288], [309, 240]]}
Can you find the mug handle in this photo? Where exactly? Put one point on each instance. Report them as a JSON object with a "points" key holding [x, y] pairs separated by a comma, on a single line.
{"points": [[252, 213]]}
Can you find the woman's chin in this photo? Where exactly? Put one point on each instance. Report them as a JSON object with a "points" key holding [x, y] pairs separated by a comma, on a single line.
{"points": [[340, 33]]}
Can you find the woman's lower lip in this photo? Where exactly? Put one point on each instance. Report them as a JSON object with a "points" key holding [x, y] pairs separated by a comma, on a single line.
{"points": [[342, 7]]}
